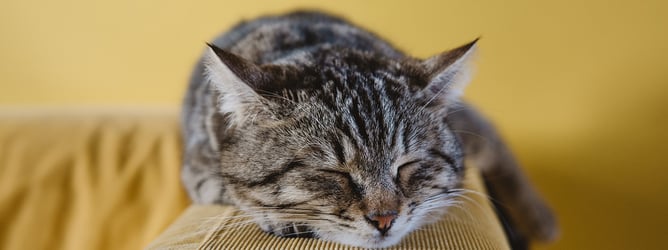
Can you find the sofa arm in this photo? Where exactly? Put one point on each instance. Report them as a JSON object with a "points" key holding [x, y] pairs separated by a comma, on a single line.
{"points": [[88, 178], [474, 225]]}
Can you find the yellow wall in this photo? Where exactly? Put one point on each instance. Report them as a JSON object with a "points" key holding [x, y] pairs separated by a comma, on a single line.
{"points": [[578, 87]]}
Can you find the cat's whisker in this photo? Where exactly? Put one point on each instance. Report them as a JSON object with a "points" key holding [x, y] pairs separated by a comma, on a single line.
{"points": [[440, 213], [450, 112], [212, 222], [481, 194], [275, 95], [204, 224], [436, 95], [463, 194], [241, 215], [440, 208], [471, 219], [471, 200]]}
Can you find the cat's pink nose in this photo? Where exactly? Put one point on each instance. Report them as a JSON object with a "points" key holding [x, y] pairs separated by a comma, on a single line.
{"points": [[383, 221]]}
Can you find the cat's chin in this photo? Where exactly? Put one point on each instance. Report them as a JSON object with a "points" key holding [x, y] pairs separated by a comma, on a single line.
{"points": [[358, 240], [365, 236], [346, 238]]}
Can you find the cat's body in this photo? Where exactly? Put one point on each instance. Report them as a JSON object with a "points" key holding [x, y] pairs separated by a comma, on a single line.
{"points": [[317, 127]]}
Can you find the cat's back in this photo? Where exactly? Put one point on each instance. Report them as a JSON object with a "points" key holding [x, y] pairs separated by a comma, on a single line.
{"points": [[271, 38]]}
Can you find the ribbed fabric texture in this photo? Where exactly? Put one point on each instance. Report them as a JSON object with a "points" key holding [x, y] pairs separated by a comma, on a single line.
{"points": [[471, 226]]}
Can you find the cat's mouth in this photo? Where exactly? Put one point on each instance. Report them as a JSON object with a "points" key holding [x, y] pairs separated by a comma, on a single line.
{"points": [[292, 230]]}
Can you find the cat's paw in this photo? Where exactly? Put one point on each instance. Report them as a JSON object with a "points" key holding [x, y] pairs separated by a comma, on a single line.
{"points": [[538, 222], [290, 230]]}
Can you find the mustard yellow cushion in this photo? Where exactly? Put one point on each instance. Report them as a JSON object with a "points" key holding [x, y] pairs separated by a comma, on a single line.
{"points": [[88, 178]]}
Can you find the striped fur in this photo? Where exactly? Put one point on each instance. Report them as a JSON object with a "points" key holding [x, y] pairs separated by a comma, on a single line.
{"points": [[319, 128]]}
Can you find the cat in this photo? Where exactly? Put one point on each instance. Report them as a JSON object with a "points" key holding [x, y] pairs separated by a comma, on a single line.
{"points": [[319, 128]]}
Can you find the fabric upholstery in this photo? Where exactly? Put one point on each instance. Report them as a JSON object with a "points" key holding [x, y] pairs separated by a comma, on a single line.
{"points": [[88, 179]]}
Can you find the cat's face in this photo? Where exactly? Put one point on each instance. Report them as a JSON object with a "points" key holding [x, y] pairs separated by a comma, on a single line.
{"points": [[319, 174], [356, 155]]}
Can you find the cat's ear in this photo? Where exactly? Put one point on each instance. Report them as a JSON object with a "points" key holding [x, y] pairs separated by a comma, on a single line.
{"points": [[236, 81], [450, 72]]}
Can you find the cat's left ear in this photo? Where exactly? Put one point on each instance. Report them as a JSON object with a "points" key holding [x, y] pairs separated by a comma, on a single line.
{"points": [[236, 81], [449, 72]]}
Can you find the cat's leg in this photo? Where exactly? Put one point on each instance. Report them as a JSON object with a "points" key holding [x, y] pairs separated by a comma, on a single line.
{"points": [[200, 173], [201, 166], [509, 186], [203, 184]]}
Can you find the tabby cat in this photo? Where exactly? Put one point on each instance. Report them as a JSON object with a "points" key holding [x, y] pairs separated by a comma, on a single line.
{"points": [[318, 128]]}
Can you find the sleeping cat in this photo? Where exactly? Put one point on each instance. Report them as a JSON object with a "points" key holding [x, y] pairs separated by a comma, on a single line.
{"points": [[318, 128]]}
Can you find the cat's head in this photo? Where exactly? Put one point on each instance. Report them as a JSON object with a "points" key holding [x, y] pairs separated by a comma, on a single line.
{"points": [[342, 145]]}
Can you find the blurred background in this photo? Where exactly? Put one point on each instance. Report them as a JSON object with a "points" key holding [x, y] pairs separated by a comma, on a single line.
{"points": [[578, 88]]}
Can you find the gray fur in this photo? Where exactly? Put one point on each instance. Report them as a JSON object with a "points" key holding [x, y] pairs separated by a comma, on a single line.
{"points": [[332, 130]]}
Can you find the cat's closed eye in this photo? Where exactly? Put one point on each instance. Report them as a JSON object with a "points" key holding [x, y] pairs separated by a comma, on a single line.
{"points": [[344, 179], [406, 165], [335, 172], [405, 170]]}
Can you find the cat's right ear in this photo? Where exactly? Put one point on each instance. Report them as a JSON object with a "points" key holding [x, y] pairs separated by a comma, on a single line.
{"points": [[449, 72], [236, 80]]}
